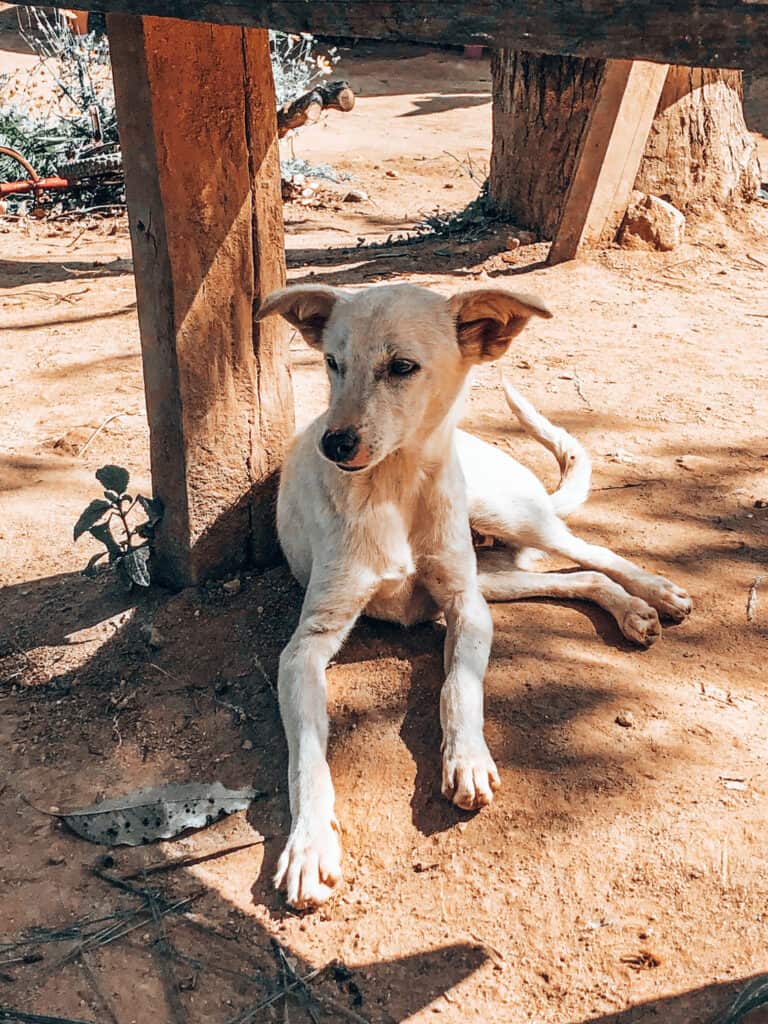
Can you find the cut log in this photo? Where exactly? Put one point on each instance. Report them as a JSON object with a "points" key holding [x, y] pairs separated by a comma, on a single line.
{"points": [[714, 33], [198, 133], [307, 109]]}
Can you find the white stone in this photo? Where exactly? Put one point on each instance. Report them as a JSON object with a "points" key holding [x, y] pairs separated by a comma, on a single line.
{"points": [[651, 223]]}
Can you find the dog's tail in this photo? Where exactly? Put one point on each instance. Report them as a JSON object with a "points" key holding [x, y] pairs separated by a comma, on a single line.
{"points": [[575, 465]]}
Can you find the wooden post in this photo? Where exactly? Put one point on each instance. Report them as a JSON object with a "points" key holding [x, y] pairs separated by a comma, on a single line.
{"points": [[198, 132], [609, 156]]}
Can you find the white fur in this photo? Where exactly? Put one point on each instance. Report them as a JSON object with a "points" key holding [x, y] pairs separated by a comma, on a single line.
{"points": [[393, 540]]}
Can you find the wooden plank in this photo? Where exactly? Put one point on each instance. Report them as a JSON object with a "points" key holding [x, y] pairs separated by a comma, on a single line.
{"points": [[609, 156], [717, 33], [198, 130]]}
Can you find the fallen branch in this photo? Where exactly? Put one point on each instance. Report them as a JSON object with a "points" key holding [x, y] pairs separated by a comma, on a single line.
{"points": [[162, 952], [254, 1011], [310, 993], [308, 108], [93, 981], [191, 860], [6, 1013], [632, 483]]}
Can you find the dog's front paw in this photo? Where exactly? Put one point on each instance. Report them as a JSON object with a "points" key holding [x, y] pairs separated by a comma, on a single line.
{"points": [[469, 775], [670, 600], [641, 623], [309, 868]]}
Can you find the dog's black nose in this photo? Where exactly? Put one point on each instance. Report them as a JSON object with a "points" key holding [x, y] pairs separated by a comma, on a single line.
{"points": [[340, 445]]}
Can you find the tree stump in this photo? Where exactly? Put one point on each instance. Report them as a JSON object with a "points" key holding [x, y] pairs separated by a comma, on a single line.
{"points": [[699, 152]]}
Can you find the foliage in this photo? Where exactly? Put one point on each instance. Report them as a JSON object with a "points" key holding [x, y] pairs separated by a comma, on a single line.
{"points": [[296, 66], [61, 107], [65, 105], [475, 221], [130, 553]]}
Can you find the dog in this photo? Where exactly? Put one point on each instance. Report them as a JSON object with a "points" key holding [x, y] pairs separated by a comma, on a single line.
{"points": [[377, 502]]}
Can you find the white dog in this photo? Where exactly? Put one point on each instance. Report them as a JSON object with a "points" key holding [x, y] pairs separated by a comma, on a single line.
{"points": [[375, 506]]}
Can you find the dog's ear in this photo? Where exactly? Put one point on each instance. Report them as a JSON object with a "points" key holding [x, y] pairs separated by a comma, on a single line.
{"points": [[305, 306], [487, 319]]}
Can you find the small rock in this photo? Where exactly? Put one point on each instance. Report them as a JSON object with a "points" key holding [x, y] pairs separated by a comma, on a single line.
{"points": [[247, 745], [761, 503], [356, 195], [651, 223], [156, 638], [692, 463], [625, 719], [620, 456], [232, 586], [392, 174], [448, 184]]}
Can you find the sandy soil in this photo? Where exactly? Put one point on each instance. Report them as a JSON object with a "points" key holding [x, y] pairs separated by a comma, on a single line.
{"points": [[620, 877]]}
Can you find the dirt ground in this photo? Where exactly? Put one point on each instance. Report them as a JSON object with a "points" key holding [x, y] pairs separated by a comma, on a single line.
{"points": [[620, 876]]}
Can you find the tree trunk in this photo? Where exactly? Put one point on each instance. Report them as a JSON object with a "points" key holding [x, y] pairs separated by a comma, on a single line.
{"points": [[699, 152]]}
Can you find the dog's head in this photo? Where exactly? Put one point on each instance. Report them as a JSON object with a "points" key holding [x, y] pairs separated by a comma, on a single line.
{"points": [[397, 357]]}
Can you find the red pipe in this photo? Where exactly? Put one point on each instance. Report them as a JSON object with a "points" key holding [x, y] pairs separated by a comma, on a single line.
{"points": [[9, 188]]}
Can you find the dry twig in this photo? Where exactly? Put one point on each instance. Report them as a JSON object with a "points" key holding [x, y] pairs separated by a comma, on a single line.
{"points": [[752, 599], [96, 433]]}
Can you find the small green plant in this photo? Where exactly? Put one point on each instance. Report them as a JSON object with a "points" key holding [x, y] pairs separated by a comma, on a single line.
{"points": [[130, 553]]}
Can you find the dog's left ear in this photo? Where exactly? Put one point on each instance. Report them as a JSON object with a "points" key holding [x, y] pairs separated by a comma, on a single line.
{"points": [[487, 319], [305, 306]]}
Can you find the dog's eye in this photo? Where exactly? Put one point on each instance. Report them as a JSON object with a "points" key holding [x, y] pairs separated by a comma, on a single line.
{"points": [[402, 367], [331, 363]]}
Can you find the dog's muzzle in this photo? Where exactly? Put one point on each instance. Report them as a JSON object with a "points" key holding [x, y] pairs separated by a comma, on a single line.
{"points": [[340, 446]]}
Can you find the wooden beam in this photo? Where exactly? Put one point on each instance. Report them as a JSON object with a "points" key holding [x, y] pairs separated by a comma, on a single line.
{"points": [[700, 33], [609, 156], [198, 131]]}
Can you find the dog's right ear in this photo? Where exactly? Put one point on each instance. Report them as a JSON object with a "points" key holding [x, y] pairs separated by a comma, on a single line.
{"points": [[305, 306]]}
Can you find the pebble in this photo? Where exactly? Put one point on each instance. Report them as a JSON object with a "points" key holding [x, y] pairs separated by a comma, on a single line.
{"points": [[625, 719], [356, 195], [247, 745], [156, 638], [232, 586]]}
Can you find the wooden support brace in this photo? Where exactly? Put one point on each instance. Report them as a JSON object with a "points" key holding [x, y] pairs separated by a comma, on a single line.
{"points": [[609, 156], [198, 132]]}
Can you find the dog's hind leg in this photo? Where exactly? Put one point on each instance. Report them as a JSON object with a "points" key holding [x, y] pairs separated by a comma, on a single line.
{"points": [[668, 599], [501, 581]]}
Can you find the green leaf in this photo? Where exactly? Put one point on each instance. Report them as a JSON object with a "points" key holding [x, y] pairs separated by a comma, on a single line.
{"points": [[104, 534], [153, 508], [90, 569], [135, 563], [113, 478], [91, 516], [112, 496]]}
